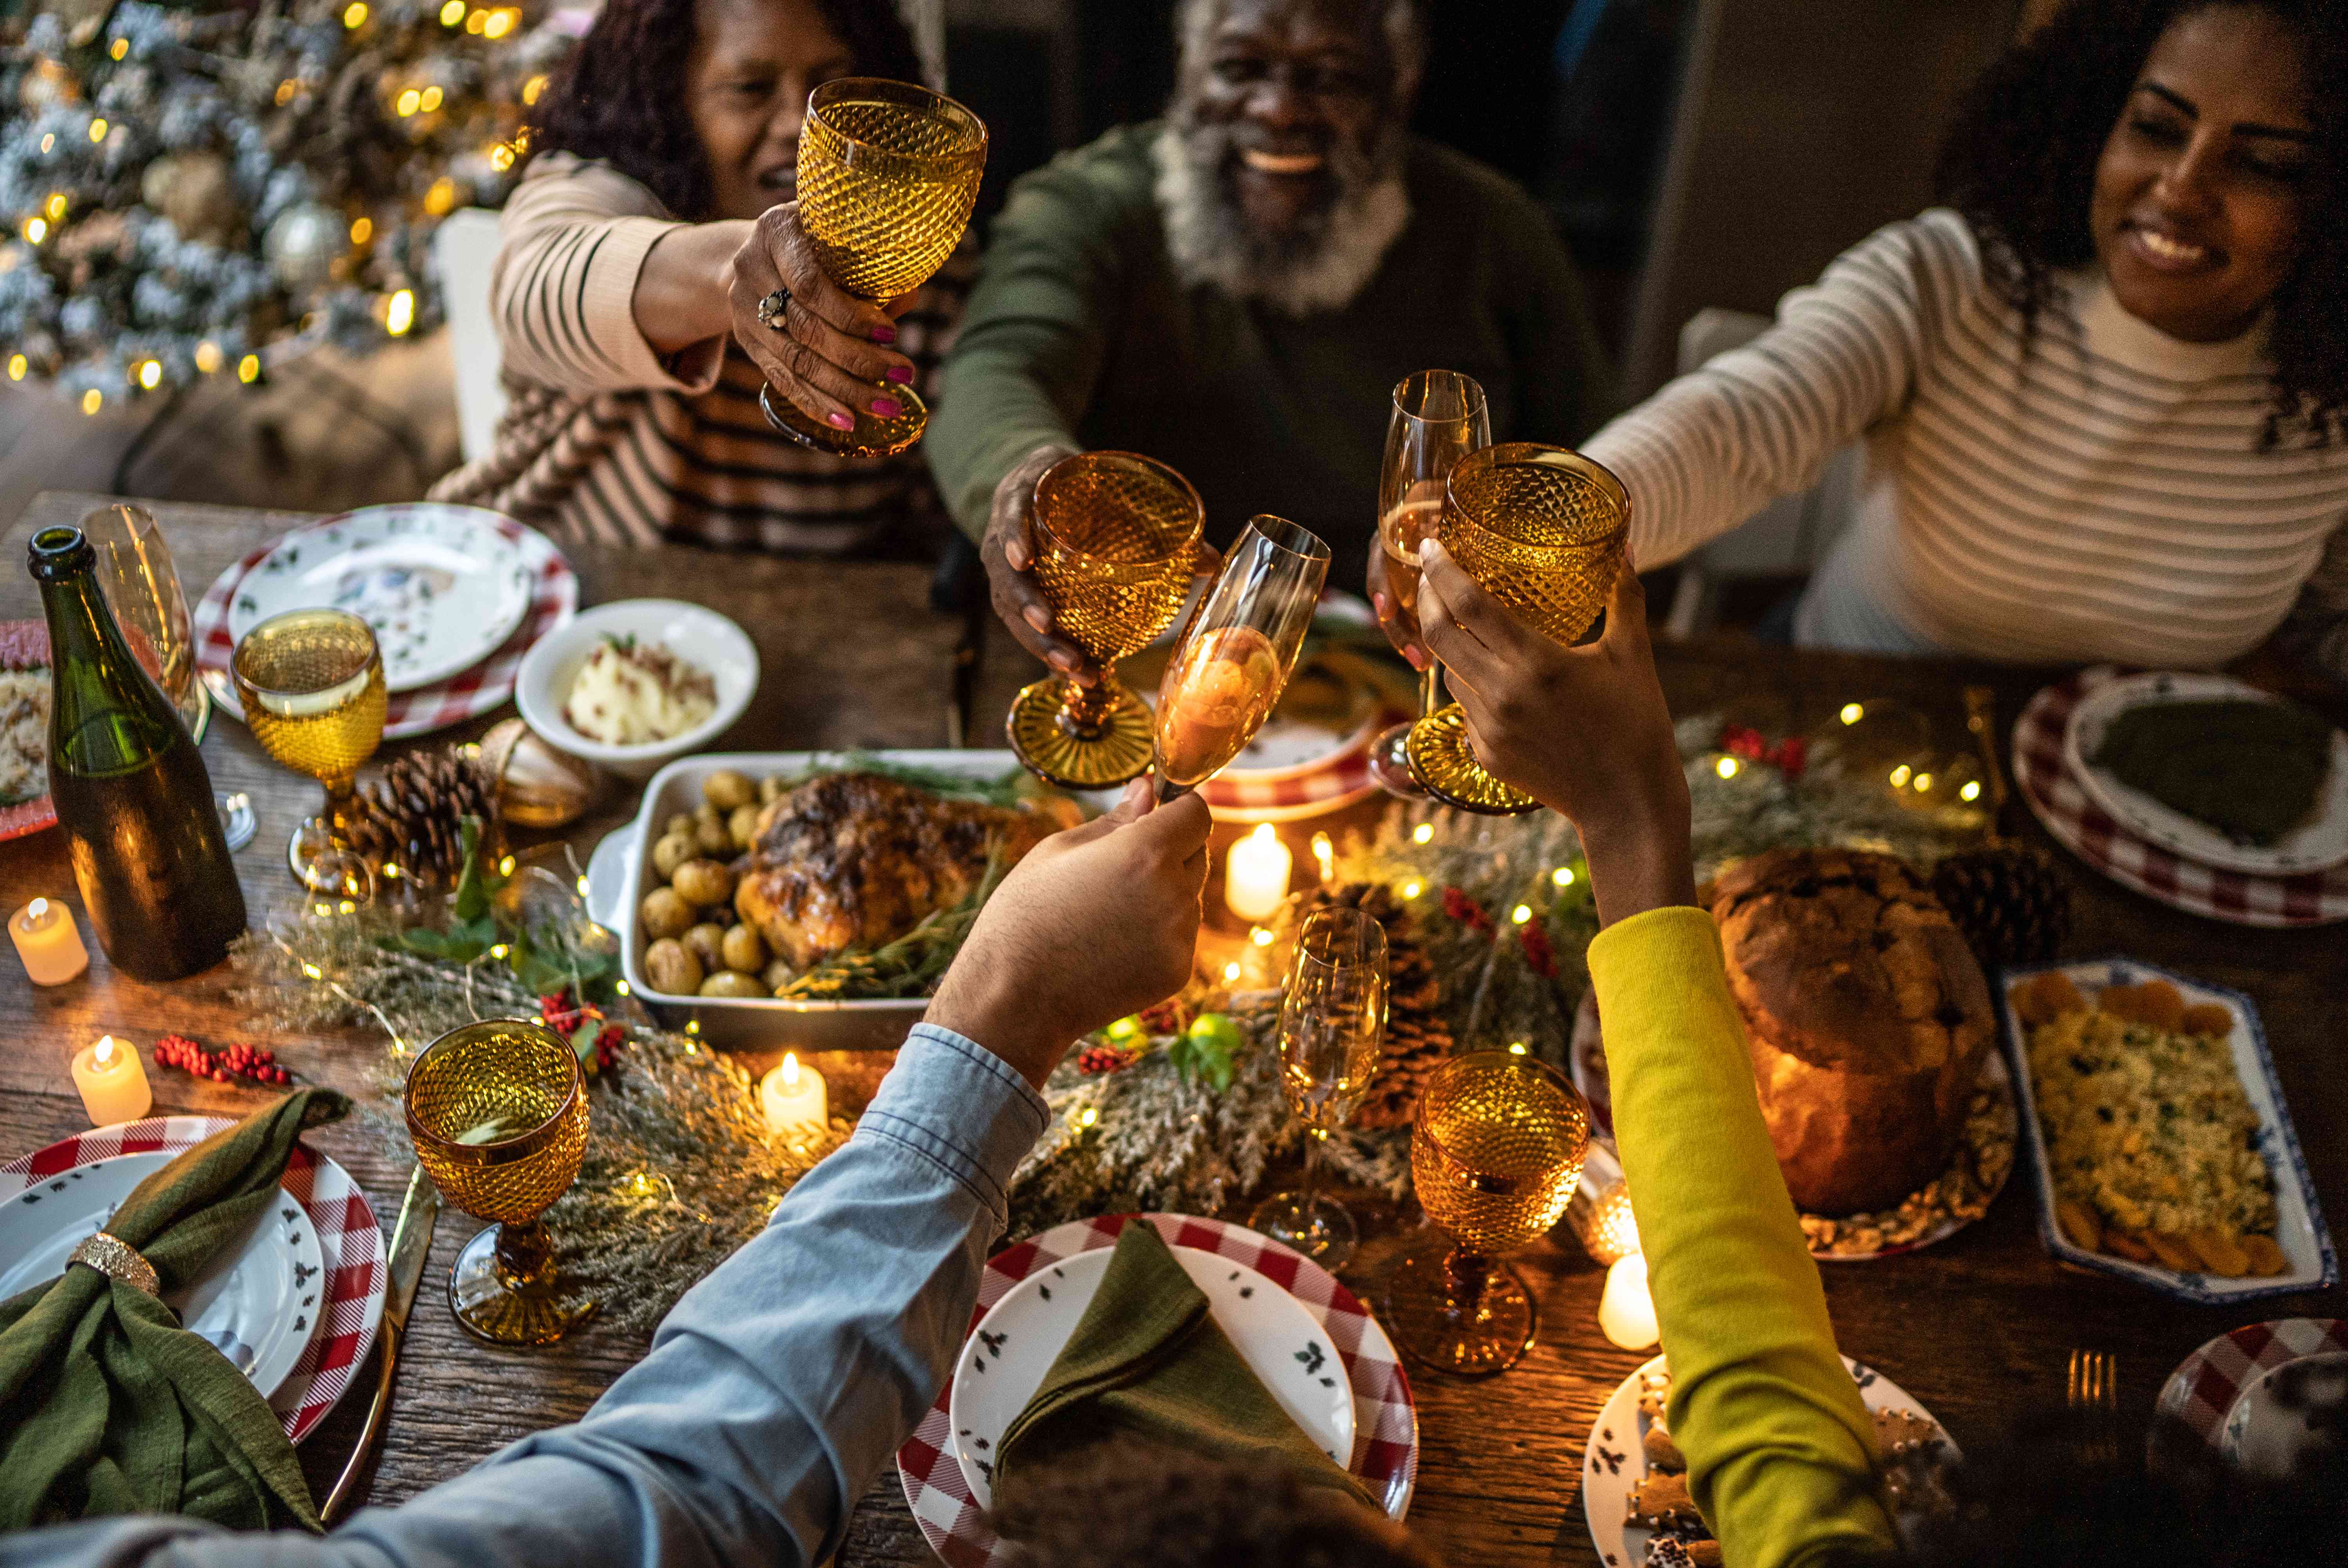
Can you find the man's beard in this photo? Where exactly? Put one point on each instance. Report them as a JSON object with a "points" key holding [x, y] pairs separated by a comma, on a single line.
{"points": [[1321, 262]]}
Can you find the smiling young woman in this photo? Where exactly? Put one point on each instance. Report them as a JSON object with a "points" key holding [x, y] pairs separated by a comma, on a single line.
{"points": [[2103, 393], [664, 151]]}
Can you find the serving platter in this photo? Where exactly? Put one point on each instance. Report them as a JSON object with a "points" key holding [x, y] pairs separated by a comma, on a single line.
{"points": [[2318, 843], [2299, 1229]]}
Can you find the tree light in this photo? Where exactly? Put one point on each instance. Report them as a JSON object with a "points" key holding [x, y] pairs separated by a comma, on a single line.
{"points": [[1413, 889], [92, 400], [98, 130], [1423, 833], [1725, 767], [1231, 973], [441, 199], [1971, 790], [150, 374], [452, 14], [56, 206], [431, 99], [499, 23], [1520, 914], [400, 313], [354, 14], [1562, 876], [1852, 712], [1261, 937], [17, 367], [285, 91], [474, 21], [248, 369], [208, 356], [1900, 777], [531, 89], [37, 230], [501, 158], [362, 231], [121, 47], [410, 101], [49, 141]]}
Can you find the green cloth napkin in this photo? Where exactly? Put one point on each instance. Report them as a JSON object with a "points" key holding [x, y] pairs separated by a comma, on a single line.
{"points": [[1148, 1360], [107, 1405]]}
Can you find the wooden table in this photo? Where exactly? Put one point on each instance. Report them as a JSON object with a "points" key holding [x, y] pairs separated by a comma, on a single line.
{"points": [[1978, 1327]]}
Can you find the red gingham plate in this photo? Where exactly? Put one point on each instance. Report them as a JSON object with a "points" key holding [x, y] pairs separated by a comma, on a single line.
{"points": [[2310, 899], [2203, 1389], [1385, 1419], [348, 1235], [553, 598]]}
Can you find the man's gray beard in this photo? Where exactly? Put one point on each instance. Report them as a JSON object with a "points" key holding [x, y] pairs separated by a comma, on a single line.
{"points": [[1320, 265]]}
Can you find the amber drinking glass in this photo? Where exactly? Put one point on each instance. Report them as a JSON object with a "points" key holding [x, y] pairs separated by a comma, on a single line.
{"points": [[1541, 529], [1496, 1151], [311, 684], [1333, 1020], [1116, 535], [1234, 658], [886, 174], [1440, 417], [498, 1117]]}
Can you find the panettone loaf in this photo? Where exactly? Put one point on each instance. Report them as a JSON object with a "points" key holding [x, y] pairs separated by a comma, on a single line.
{"points": [[1867, 1018]]}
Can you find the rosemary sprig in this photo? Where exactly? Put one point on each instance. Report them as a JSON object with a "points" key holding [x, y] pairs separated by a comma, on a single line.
{"points": [[914, 964]]}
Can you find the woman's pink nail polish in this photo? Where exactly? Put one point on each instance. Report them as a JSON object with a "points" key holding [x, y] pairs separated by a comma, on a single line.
{"points": [[886, 408], [1418, 660], [1378, 602], [884, 334], [840, 421], [900, 374]]}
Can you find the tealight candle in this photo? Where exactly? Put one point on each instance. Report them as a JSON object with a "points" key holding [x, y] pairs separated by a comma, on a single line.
{"points": [[793, 1098], [113, 1084], [48, 942], [1626, 1312], [1255, 876]]}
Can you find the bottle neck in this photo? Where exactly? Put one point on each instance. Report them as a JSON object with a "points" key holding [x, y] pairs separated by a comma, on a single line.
{"points": [[106, 711]]}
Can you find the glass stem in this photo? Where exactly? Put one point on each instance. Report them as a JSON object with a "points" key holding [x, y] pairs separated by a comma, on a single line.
{"points": [[1429, 695], [1312, 1189], [525, 1257], [1084, 709], [1465, 1274]]}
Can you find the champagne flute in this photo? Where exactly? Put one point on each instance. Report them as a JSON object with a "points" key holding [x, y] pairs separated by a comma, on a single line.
{"points": [[1496, 1151], [311, 684], [1333, 1020], [1235, 657], [888, 172], [498, 1113], [1440, 417], [1541, 529], [1116, 535]]}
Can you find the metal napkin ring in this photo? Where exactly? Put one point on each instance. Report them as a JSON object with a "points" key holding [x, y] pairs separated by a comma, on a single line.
{"points": [[771, 309], [117, 1259]]}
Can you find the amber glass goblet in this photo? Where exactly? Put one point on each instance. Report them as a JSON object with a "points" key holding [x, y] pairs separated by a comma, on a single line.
{"points": [[1235, 656], [1440, 417], [1541, 529], [499, 1116], [888, 171], [1115, 536], [311, 684], [1496, 1151]]}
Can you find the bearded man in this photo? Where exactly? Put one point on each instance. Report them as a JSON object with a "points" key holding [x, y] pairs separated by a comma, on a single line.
{"points": [[1236, 290]]}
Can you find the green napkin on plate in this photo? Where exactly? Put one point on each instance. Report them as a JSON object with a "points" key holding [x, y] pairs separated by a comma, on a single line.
{"points": [[108, 1406], [1148, 1360]]}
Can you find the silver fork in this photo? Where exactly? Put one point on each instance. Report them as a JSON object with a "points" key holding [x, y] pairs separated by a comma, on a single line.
{"points": [[2095, 1396]]}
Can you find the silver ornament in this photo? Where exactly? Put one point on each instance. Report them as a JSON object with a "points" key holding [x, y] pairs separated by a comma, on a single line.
{"points": [[303, 245]]}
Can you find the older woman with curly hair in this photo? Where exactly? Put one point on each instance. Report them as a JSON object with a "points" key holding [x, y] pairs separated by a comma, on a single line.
{"points": [[657, 211], [2103, 392]]}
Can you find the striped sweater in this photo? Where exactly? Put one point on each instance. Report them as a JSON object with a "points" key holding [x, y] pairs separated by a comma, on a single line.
{"points": [[604, 440], [2095, 492]]}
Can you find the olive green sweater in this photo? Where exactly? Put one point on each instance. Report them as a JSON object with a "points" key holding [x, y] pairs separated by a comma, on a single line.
{"points": [[1079, 331]]}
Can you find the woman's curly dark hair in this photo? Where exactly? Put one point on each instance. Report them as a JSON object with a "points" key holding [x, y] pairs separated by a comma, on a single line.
{"points": [[621, 96], [2019, 164]]}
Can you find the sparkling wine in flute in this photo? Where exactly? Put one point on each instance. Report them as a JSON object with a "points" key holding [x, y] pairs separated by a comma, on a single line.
{"points": [[1400, 533], [1236, 654]]}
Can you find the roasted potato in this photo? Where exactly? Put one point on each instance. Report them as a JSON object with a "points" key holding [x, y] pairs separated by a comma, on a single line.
{"points": [[742, 949], [710, 832], [731, 983], [705, 883], [671, 967], [681, 823], [772, 788], [707, 941], [666, 913], [674, 850], [744, 827], [778, 974], [729, 788]]}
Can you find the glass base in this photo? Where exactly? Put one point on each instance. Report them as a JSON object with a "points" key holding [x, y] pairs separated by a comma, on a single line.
{"points": [[492, 1304], [1465, 1332], [335, 875], [237, 824], [1444, 765], [1053, 751], [1318, 1227], [871, 437], [1390, 763]]}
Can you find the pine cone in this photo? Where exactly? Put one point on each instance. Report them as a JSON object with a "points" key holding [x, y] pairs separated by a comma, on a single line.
{"points": [[412, 815], [2011, 899], [1416, 1037]]}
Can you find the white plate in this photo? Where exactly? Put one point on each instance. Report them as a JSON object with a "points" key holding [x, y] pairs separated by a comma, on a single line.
{"points": [[2320, 842], [2300, 1230], [439, 584], [1614, 1462], [247, 1304], [1004, 1361]]}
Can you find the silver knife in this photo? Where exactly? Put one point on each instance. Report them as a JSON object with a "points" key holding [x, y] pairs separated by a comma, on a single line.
{"points": [[411, 1241]]}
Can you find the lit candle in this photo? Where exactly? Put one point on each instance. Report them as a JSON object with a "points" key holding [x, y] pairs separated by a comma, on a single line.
{"points": [[48, 942], [793, 1099], [1255, 876], [113, 1085], [1626, 1312]]}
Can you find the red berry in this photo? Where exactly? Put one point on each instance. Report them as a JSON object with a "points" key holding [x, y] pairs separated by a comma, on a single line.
{"points": [[218, 1076]]}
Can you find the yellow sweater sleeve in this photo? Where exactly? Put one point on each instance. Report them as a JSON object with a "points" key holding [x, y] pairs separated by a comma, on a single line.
{"points": [[1780, 1450]]}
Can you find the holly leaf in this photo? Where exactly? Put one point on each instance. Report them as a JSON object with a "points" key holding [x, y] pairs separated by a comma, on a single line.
{"points": [[479, 883], [453, 946], [1202, 1054], [583, 1038]]}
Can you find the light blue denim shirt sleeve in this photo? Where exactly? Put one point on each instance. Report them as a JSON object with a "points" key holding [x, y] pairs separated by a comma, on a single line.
{"points": [[773, 1394]]}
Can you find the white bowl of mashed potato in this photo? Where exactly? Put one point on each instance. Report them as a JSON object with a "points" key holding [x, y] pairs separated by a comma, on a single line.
{"points": [[637, 684]]}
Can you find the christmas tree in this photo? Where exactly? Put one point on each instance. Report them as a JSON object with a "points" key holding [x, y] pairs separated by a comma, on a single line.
{"points": [[185, 187]]}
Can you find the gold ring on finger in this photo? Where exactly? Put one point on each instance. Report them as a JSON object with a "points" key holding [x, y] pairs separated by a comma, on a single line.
{"points": [[771, 309]]}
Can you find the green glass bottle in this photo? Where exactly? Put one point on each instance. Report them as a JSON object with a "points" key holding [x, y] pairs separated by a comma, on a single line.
{"points": [[130, 788]]}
